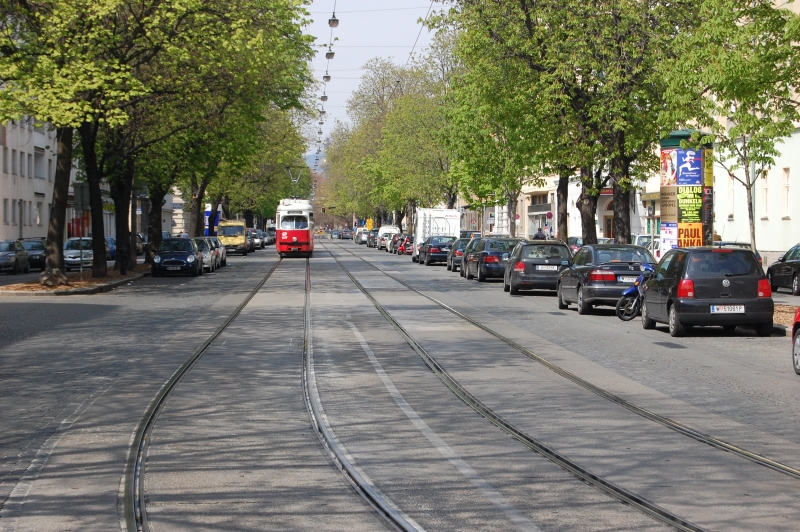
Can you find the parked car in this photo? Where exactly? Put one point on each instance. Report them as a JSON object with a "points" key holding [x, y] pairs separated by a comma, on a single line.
{"points": [[112, 247], [741, 245], [336, 234], [435, 249], [177, 255], [251, 243], [785, 273], [599, 273], [261, 241], [359, 236], [605, 240], [36, 253], [469, 235], [233, 235], [347, 234], [708, 286], [221, 251], [536, 264], [73, 253], [208, 252], [270, 234], [13, 257], [384, 233], [456, 252], [466, 256], [489, 257], [256, 239], [372, 238], [654, 247], [404, 243], [574, 243], [796, 342]]}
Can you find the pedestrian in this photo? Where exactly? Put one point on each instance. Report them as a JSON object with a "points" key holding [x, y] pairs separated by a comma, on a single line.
{"points": [[539, 235]]}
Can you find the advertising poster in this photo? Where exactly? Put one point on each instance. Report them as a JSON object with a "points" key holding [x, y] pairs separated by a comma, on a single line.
{"points": [[669, 166], [690, 204], [690, 167], [669, 204], [690, 235], [708, 170], [669, 236], [708, 216]]}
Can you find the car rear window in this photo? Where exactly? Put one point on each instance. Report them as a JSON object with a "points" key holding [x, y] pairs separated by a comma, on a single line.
{"points": [[502, 245], [33, 245], [623, 254], [719, 263], [7, 246], [545, 252], [439, 240]]}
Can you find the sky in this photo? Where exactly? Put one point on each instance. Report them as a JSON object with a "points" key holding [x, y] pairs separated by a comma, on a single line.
{"points": [[367, 29]]}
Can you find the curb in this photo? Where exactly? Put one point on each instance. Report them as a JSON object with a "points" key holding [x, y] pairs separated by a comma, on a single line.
{"points": [[107, 287]]}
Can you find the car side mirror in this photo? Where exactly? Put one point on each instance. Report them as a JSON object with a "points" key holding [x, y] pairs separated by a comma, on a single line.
{"points": [[782, 258], [565, 263]]}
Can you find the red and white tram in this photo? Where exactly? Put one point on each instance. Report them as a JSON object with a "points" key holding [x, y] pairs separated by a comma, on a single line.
{"points": [[294, 227]]}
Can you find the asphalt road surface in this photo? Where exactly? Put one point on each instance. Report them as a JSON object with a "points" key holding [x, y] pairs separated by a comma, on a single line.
{"points": [[235, 448]]}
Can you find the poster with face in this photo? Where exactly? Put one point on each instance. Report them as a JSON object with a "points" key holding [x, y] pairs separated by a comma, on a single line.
{"points": [[690, 167], [669, 164]]}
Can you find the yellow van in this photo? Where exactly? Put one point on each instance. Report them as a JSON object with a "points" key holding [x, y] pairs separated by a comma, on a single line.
{"points": [[233, 235]]}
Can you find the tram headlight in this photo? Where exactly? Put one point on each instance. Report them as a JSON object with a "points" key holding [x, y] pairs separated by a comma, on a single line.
{"points": [[157, 259], [294, 239]]}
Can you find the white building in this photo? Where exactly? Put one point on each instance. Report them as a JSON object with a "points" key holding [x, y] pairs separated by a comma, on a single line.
{"points": [[26, 179]]}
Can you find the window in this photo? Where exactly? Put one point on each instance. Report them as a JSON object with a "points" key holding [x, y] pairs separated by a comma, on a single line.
{"points": [[661, 270], [294, 222], [13, 212], [764, 194], [786, 203], [30, 165], [49, 169], [5, 160], [38, 213], [5, 211], [22, 212], [30, 213], [14, 162], [22, 164]]}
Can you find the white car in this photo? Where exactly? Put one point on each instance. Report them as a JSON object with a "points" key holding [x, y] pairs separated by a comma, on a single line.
{"points": [[654, 247], [384, 233]]}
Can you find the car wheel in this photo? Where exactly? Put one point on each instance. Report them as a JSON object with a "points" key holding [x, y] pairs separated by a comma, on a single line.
{"points": [[562, 304], [676, 328], [513, 290], [479, 274], [647, 323], [194, 273], [583, 306], [772, 284], [449, 266], [764, 329], [468, 274], [244, 253], [413, 258], [15, 269], [506, 287], [202, 269], [461, 272], [428, 260], [28, 268], [795, 285], [796, 352]]}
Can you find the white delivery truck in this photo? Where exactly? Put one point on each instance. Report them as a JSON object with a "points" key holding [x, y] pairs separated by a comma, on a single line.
{"points": [[438, 222]]}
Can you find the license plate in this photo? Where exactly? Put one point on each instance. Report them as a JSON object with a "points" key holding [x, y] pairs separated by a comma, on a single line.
{"points": [[727, 309], [173, 268], [546, 268], [627, 279]]}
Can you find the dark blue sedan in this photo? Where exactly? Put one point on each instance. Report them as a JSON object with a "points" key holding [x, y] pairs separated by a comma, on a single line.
{"points": [[178, 256]]}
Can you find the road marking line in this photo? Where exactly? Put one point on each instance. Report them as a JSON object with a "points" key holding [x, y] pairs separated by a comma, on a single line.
{"points": [[462, 466]]}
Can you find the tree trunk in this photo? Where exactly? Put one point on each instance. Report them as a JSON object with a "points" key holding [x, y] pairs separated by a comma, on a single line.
{"points": [[622, 200], [156, 198], [88, 134], [197, 207], [587, 206], [134, 226], [121, 194], [213, 220], [511, 213], [53, 275], [248, 218], [750, 211], [562, 199]]}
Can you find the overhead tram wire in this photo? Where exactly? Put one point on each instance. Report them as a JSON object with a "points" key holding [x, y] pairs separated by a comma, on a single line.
{"points": [[333, 22], [422, 26]]}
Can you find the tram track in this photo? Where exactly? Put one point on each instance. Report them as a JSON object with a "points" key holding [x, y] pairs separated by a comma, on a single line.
{"points": [[671, 424], [135, 500]]}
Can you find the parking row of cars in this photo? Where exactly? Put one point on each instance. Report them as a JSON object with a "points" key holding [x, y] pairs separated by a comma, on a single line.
{"points": [[708, 286], [192, 256]]}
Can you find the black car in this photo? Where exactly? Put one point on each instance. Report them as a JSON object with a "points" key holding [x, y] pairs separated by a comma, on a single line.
{"points": [[708, 286], [13, 257], [435, 249], [599, 273], [536, 264], [469, 235], [372, 238], [177, 255], [488, 258], [786, 272], [36, 253], [456, 252], [466, 255]]}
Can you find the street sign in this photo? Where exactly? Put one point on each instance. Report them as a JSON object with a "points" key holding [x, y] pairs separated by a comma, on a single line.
{"points": [[80, 197]]}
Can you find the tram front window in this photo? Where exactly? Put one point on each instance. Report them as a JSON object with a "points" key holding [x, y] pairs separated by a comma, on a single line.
{"points": [[294, 222]]}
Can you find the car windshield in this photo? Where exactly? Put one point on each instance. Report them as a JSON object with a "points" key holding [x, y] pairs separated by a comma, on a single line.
{"points": [[78, 244], [501, 245], [294, 222], [623, 254], [33, 245], [201, 244], [7, 246], [231, 230], [718, 263], [545, 252], [176, 245], [442, 240]]}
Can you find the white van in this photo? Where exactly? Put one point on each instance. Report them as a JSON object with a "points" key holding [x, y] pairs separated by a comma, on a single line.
{"points": [[383, 236], [360, 236]]}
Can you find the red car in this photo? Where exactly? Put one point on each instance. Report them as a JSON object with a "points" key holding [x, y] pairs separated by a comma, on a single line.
{"points": [[796, 342]]}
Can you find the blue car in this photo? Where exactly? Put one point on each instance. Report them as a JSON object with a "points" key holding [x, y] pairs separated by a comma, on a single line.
{"points": [[112, 246], [179, 256]]}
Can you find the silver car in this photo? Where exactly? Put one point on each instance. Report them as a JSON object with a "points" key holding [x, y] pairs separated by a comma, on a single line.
{"points": [[209, 253], [74, 250], [222, 253]]}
